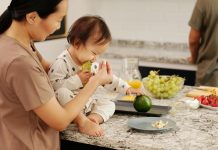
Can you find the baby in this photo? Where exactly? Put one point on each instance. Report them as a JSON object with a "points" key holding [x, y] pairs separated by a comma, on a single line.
{"points": [[88, 37]]}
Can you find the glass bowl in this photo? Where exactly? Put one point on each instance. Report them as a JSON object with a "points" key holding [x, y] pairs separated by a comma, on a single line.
{"points": [[163, 86]]}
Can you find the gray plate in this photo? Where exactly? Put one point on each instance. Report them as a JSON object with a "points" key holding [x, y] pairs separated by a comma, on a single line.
{"points": [[145, 123]]}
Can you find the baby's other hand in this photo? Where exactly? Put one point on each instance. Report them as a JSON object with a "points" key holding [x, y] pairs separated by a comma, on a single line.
{"points": [[84, 76], [134, 91]]}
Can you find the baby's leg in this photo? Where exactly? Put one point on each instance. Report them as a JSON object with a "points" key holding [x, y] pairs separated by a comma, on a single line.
{"points": [[94, 117], [85, 125]]}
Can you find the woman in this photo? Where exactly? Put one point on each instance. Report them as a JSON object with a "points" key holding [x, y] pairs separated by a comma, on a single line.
{"points": [[30, 115]]}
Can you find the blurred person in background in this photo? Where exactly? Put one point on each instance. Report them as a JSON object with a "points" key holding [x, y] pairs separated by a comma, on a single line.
{"points": [[203, 42]]}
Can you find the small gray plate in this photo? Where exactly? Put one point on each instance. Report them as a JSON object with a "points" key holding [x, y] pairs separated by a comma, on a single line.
{"points": [[145, 123]]}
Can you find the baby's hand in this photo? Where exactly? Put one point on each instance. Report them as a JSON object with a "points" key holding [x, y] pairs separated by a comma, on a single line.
{"points": [[134, 91], [84, 76]]}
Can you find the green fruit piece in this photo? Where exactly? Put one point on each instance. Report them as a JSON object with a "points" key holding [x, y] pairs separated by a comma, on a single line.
{"points": [[87, 66], [142, 103]]}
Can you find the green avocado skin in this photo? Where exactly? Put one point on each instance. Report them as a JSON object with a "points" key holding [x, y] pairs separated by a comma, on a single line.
{"points": [[142, 103]]}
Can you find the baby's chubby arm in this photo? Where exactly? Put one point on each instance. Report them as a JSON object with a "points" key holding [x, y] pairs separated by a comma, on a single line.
{"points": [[117, 85], [121, 86], [60, 77]]}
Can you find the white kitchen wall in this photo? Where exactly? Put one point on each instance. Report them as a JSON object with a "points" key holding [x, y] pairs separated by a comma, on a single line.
{"points": [[147, 20], [144, 20]]}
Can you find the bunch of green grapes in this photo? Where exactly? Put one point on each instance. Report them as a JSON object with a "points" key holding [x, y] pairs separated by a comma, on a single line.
{"points": [[163, 86]]}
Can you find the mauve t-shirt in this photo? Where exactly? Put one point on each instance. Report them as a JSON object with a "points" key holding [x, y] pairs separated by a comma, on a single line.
{"points": [[24, 86]]}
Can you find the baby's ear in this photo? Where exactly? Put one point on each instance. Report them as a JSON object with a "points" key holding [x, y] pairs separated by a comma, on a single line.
{"points": [[76, 43]]}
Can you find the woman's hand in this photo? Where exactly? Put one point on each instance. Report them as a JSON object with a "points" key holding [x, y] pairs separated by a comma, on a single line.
{"points": [[104, 74]]}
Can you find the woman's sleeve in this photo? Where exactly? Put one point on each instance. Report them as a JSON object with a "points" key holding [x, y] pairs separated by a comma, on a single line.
{"points": [[29, 82]]}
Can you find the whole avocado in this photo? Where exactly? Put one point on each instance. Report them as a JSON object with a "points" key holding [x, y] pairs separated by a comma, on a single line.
{"points": [[142, 103]]}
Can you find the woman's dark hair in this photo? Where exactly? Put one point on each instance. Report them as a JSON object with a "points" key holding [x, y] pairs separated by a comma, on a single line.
{"points": [[86, 27], [18, 9]]}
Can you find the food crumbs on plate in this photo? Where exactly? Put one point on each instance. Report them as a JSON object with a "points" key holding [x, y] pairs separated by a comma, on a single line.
{"points": [[159, 124]]}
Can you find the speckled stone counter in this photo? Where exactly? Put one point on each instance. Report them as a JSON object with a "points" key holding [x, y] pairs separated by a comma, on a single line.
{"points": [[196, 129]]}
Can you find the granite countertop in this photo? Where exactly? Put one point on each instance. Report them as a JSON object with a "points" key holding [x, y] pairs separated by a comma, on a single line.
{"points": [[171, 55], [196, 129]]}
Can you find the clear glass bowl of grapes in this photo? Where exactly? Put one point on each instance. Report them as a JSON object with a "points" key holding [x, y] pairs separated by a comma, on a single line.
{"points": [[163, 86]]}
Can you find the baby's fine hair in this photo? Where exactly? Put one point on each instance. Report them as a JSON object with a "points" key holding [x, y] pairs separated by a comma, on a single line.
{"points": [[85, 27]]}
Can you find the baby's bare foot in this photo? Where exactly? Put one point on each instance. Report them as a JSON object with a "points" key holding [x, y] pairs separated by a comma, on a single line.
{"points": [[91, 128], [96, 118]]}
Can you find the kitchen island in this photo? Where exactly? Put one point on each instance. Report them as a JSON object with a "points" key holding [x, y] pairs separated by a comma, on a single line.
{"points": [[195, 129]]}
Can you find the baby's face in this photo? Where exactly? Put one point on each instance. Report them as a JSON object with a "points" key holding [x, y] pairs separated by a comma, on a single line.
{"points": [[90, 52]]}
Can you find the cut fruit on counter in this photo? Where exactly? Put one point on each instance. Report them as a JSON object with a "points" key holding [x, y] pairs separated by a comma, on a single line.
{"points": [[213, 90], [136, 84], [196, 92], [203, 90], [128, 98], [211, 100]]}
